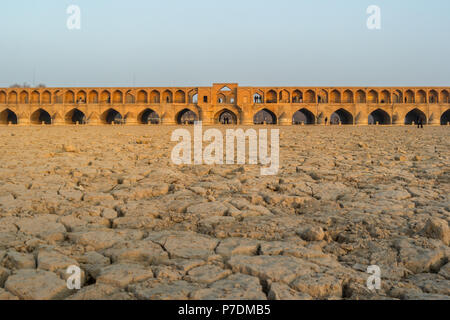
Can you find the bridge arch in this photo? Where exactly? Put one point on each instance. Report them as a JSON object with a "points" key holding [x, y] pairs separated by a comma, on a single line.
{"points": [[271, 96], [35, 97], [421, 97], [111, 116], [360, 96], [46, 97], [69, 97], [81, 96], [8, 116], [341, 116], [105, 97], [142, 96], [303, 116], [23, 97], [379, 116], [265, 116], [149, 116], [167, 96], [385, 97], [186, 116], [397, 96], [297, 96], [75, 115], [445, 118], [118, 97], [433, 96], [155, 96], [2, 97], [310, 96], [129, 97], [93, 96], [348, 96], [414, 115], [335, 96], [226, 116], [444, 96], [409, 97], [372, 97], [284, 96], [180, 96], [40, 116]]}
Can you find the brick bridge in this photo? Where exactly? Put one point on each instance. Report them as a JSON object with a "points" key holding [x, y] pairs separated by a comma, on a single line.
{"points": [[225, 103]]}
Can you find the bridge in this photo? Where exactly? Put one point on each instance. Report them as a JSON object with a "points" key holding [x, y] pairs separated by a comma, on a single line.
{"points": [[226, 103]]}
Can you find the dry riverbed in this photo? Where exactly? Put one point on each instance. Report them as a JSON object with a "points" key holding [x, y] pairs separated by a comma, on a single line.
{"points": [[109, 200]]}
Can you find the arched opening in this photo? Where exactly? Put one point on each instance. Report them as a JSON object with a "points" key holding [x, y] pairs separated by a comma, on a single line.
{"points": [[221, 98], [180, 97], [360, 96], [148, 116], [186, 116], [46, 97], [444, 96], [322, 97], [409, 97], [118, 97], [142, 96], [93, 97], [41, 116], [167, 96], [433, 96], [445, 119], [415, 116], [23, 97], [385, 97], [105, 97], [310, 97], [194, 98], [335, 96], [379, 117], [69, 97], [372, 97], [75, 116], [265, 116], [7, 116], [257, 98], [303, 116], [348, 96], [81, 97], [297, 97], [421, 96], [12, 97], [35, 97], [2, 97], [398, 96], [284, 96], [111, 116], [227, 117], [155, 97], [341, 116], [129, 97], [271, 97]]}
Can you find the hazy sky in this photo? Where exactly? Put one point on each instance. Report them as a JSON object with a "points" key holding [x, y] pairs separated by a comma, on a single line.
{"points": [[198, 42]]}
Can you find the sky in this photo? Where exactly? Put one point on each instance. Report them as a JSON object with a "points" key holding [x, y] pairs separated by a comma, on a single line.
{"points": [[200, 42]]}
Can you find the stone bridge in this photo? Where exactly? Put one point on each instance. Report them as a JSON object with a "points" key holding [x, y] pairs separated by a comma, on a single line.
{"points": [[225, 103]]}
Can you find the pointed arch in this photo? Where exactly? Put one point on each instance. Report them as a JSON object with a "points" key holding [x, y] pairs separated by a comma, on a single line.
{"points": [[285, 97], [348, 96], [265, 116], [111, 116], [129, 97], [433, 96], [46, 97], [93, 96], [23, 97], [304, 116], [118, 97], [421, 97], [258, 97], [414, 116], [372, 97], [221, 98], [385, 97], [81, 97], [360, 96], [271, 96], [40, 116], [322, 96], [155, 97], [105, 97], [186, 116], [335, 96], [409, 96], [58, 97], [341, 116], [149, 116], [35, 97], [225, 116], [12, 97], [444, 97], [310, 96], [397, 96], [2, 97], [8, 116], [180, 96], [75, 116], [142, 96], [445, 118], [379, 116], [69, 97], [167, 96], [297, 96]]}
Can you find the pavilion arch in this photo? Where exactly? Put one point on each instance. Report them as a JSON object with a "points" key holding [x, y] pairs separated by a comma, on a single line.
{"points": [[397, 96], [142, 96], [118, 97], [58, 97], [149, 116], [322, 96], [93, 97], [303, 116], [265, 116], [23, 97], [271, 96], [444, 97], [180, 96], [46, 97], [155, 96], [167, 96], [81, 97], [111, 116], [284, 96], [385, 97], [372, 97], [8, 116], [379, 116], [297, 96], [341, 116], [258, 98], [226, 116], [105, 97], [409, 96], [12, 97], [310, 97], [335, 96], [348, 96], [421, 97], [186, 116], [129, 97], [3, 97], [40, 116], [414, 115], [445, 118], [35, 97], [433, 96], [221, 98], [360, 96], [69, 97], [75, 116]]}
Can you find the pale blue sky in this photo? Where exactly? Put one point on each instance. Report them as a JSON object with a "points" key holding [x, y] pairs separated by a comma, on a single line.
{"points": [[252, 42]]}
